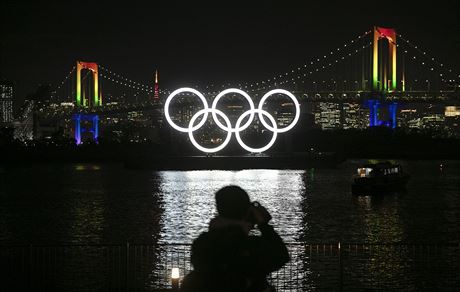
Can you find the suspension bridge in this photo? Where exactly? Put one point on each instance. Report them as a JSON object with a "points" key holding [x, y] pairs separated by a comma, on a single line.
{"points": [[379, 68]]}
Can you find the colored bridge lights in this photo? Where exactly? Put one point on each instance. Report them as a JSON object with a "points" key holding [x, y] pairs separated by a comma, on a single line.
{"points": [[93, 130], [272, 126], [374, 106], [83, 102], [380, 74]]}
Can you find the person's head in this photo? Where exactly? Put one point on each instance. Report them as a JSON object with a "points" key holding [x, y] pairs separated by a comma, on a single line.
{"points": [[232, 202]]}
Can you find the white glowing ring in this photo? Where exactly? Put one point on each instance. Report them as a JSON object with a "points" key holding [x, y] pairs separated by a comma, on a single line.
{"points": [[205, 112], [275, 132], [168, 101], [251, 106], [297, 110]]}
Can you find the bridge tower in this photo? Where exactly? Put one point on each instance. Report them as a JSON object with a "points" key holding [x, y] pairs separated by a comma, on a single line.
{"points": [[93, 67], [384, 76], [83, 102], [93, 130], [156, 92]]}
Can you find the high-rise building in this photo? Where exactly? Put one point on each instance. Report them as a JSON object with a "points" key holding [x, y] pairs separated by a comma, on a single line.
{"points": [[351, 118], [327, 115], [6, 102]]}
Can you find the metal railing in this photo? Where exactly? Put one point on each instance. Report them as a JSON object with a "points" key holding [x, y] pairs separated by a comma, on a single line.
{"points": [[313, 267]]}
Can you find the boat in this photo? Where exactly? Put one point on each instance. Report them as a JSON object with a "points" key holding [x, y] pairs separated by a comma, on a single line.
{"points": [[379, 178]]}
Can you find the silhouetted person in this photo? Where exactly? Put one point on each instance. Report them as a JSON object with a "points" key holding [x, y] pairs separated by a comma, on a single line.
{"points": [[226, 258]]}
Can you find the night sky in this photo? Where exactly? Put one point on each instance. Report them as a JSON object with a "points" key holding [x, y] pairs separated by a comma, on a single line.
{"points": [[198, 42]]}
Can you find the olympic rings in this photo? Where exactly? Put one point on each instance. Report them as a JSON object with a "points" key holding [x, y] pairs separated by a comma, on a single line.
{"points": [[251, 105], [168, 101], [192, 139], [296, 104], [272, 141], [228, 127]]}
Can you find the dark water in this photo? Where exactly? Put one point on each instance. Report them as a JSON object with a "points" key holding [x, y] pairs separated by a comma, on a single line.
{"points": [[105, 203]]}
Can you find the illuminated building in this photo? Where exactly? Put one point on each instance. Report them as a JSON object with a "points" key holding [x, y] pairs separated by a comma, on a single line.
{"points": [[433, 122], [452, 111], [327, 116], [406, 117], [351, 118], [184, 114], [452, 121], [6, 102], [135, 116]]}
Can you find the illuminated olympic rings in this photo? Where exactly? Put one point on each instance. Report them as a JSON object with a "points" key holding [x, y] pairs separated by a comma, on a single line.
{"points": [[228, 127]]}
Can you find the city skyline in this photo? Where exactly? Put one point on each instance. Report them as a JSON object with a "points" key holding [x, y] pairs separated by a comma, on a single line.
{"points": [[199, 43]]}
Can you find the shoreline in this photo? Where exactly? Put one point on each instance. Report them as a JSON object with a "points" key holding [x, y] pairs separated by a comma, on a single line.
{"points": [[154, 161]]}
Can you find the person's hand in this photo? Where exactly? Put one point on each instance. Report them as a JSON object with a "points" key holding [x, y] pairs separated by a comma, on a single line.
{"points": [[260, 214]]}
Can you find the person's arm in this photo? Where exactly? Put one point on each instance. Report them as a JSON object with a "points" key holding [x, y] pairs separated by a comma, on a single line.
{"points": [[275, 253], [269, 251]]}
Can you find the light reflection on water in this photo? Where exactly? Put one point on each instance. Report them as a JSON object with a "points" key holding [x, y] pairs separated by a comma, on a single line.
{"points": [[189, 199]]}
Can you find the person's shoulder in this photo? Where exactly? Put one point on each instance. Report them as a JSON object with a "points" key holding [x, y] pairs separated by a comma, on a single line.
{"points": [[202, 239], [220, 235], [206, 240]]}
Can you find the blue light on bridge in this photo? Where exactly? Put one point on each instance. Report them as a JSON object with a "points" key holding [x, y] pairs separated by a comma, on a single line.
{"points": [[374, 106], [94, 129]]}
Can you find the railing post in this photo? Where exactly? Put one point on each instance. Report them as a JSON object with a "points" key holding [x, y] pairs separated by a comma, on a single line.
{"points": [[127, 267], [340, 267]]}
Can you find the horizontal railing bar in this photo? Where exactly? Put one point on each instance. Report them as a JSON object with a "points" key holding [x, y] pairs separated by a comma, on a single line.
{"points": [[189, 244]]}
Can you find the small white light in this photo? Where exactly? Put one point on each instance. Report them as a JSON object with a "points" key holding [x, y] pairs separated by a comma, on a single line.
{"points": [[175, 273]]}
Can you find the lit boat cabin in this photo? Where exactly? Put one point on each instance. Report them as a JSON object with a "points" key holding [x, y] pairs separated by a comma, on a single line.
{"points": [[379, 169]]}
